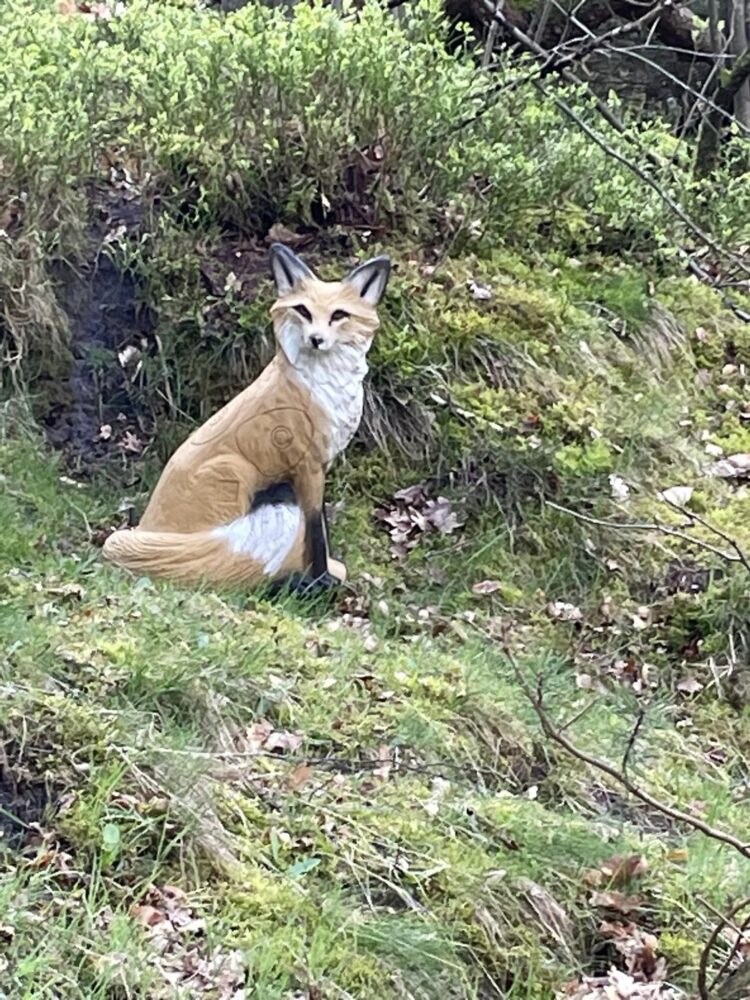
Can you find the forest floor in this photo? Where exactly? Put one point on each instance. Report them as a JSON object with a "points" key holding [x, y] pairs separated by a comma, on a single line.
{"points": [[205, 793]]}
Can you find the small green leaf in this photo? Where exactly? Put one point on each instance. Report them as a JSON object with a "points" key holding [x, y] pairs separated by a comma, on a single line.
{"points": [[111, 837], [302, 867]]}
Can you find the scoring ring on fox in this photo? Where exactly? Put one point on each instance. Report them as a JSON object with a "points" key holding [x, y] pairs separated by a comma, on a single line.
{"points": [[281, 436]]}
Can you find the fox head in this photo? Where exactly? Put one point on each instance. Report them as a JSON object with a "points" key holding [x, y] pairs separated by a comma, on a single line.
{"points": [[314, 318]]}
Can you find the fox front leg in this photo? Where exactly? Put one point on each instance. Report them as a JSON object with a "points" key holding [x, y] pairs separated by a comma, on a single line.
{"points": [[310, 490]]}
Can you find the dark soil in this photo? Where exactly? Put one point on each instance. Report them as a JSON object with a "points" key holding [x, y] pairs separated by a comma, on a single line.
{"points": [[105, 318], [23, 805]]}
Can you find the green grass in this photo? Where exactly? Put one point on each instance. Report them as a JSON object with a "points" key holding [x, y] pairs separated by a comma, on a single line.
{"points": [[129, 709], [382, 843]]}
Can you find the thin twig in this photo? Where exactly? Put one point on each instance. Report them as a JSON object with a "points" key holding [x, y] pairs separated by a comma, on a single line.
{"points": [[632, 738], [652, 526], [739, 935], [339, 763], [531, 46], [668, 200], [646, 154], [700, 97], [592, 42], [612, 772], [740, 554], [703, 989]]}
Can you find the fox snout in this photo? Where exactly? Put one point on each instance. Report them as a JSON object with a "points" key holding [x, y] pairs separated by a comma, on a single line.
{"points": [[317, 341]]}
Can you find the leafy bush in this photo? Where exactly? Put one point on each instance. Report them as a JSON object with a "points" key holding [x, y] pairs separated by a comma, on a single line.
{"points": [[319, 116]]}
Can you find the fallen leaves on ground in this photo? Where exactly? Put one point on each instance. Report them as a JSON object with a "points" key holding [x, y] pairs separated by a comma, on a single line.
{"points": [[689, 685], [639, 948], [262, 737], [131, 443], [619, 489], [561, 611], [414, 512], [175, 935], [617, 986], [645, 971], [616, 871], [732, 467], [677, 496]]}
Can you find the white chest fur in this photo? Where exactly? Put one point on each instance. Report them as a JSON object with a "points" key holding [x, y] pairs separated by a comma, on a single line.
{"points": [[335, 382]]}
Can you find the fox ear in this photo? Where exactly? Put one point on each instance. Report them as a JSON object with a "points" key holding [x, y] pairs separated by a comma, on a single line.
{"points": [[287, 269], [370, 279]]}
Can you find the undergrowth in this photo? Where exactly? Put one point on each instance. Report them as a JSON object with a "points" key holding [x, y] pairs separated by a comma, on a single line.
{"points": [[203, 792], [121, 133]]}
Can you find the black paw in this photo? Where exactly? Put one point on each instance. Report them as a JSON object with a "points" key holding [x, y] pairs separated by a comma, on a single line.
{"points": [[302, 585]]}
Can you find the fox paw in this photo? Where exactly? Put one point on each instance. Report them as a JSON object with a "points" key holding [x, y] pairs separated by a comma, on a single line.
{"points": [[303, 585]]}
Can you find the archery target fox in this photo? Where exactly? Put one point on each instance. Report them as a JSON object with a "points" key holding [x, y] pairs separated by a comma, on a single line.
{"points": [[242, 499]]}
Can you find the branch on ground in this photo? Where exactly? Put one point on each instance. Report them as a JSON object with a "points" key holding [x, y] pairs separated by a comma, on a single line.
{"points": [[735, 554], [737, 981], [535, 697]]}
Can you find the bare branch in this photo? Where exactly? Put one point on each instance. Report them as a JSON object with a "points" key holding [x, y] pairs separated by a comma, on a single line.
{"points": [[615, 122], [740, 934], [737, 556], [700, 96], [531, 46], [557, 62], [703, 988], [604, 767]]}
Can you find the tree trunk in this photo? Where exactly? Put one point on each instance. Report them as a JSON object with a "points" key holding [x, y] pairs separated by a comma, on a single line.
{"points": [[714, 121]]}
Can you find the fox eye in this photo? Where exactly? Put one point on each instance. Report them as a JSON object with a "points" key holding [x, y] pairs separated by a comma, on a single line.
{"points": [[304, 312], [338, 315]]}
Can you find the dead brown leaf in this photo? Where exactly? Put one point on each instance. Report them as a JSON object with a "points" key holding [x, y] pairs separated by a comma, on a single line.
{"points": [[131, 442], [689, 685], [616, 871], [282, 740], [617, 901], [299, 777], [561, 611], [383, 770], [146, 915], [732, 467]]}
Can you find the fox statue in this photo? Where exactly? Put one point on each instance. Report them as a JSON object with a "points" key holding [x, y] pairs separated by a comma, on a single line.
{"points": [[241, 501]]}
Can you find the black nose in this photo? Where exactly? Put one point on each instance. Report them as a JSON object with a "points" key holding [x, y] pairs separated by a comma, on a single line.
{"points": [[316, 342]]}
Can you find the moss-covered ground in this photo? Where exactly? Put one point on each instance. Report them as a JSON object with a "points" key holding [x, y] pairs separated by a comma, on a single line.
{"points": [[355, 796], [204, 793]]}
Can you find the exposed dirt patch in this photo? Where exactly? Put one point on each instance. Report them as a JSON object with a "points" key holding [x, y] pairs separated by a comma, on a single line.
{"points": [[24, 802], [94, 410]]}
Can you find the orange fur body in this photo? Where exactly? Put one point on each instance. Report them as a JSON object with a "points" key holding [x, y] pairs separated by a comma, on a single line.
{"points": [[285, 428]]}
